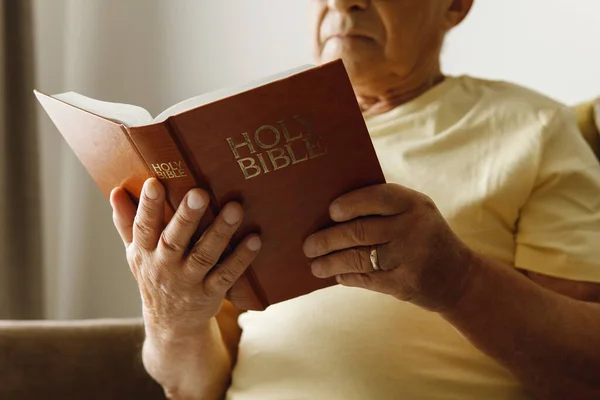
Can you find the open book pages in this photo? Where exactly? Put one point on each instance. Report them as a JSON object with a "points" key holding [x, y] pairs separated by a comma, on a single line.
{"points": [[131, 116]]}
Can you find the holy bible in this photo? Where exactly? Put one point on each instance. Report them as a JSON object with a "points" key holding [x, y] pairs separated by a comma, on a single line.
{"points": [[285, 147]]}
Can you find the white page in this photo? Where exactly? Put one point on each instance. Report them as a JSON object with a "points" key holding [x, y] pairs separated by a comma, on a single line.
{"points": [[131, 116], [210, 97], [125, 114]]}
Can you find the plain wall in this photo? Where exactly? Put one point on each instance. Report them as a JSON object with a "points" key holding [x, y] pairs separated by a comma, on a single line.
{"points": [[552, 46]]}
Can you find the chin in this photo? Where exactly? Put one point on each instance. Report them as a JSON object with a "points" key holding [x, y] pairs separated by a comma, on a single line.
{"points": [[360, 68]]}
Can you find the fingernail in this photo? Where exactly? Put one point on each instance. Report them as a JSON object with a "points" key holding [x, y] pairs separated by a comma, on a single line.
{"points": [[309, 247], [151, 190], [338, 279], [231, 215], [335, 211], [254, 243], [195, 201]]}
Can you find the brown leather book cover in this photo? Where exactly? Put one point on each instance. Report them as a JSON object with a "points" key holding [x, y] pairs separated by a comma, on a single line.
{"points": [[285, 150]]}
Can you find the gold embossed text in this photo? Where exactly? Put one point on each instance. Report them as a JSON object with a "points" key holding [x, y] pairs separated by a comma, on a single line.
{"points": [[273, 147], [169, 170]]}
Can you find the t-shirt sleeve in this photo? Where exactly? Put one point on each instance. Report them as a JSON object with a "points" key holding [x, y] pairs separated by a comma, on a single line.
{"points": [[558, 232]]}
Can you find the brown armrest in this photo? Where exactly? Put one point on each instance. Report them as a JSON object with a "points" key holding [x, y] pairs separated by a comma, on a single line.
{"points": [[97, 359]]}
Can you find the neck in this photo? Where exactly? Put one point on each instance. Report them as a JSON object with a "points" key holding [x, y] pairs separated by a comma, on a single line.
{"points": [[374, 101]]}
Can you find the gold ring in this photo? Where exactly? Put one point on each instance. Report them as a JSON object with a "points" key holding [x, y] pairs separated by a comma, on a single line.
{"points": [[374, 258]]}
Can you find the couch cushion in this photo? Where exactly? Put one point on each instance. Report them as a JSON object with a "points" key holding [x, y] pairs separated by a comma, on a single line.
{"points": [[91, 360]]}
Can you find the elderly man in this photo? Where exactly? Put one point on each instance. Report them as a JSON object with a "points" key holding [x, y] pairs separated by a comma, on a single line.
{"points": [[488, 240]]}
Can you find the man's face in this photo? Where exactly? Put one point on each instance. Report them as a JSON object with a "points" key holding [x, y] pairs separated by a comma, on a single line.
{"points": [[378, 39]]}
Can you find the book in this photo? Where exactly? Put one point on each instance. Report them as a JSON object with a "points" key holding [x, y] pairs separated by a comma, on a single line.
{"points": [[285, 147]]}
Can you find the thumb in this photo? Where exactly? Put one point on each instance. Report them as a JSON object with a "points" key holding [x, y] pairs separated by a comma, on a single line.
{"points": [[123, 214]]}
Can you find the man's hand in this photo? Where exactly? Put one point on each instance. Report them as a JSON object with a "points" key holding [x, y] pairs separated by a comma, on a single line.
{"points": [[421, 259], [182, 290], [551, 345]]}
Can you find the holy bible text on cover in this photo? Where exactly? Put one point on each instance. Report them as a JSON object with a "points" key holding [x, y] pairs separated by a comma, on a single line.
{"points": [[285, 148]]}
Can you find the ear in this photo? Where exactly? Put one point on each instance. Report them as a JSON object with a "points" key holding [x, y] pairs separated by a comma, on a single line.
{"points": [[457, 12]]}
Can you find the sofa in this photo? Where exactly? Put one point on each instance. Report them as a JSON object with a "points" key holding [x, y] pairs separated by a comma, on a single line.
{"points": [[100, 359]]}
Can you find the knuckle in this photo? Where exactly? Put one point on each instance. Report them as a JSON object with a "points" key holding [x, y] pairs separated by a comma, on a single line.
{"points": [[191, 275], [226, 278], [221, 236], [359, 232], [363, 279], [203, 258], [217, 285], [148, 206], [141, 225], [211, 290], [170, 243], [240, 258], [183, 218], [357, 261]]}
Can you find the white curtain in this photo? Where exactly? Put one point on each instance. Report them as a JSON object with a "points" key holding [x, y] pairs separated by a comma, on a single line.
{"points": [[151, 53], [154, 53], [20, 239]]}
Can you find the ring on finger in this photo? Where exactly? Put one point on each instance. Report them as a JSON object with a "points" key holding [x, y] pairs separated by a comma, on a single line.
{"points": [[374, 257]]}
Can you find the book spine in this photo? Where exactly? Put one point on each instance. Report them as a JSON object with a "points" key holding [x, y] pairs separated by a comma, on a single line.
{"points": [[166, 163], [166, 159]]}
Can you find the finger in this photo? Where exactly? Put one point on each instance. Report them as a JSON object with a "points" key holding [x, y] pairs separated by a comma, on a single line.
{"points": [[387, 199], [359, 232], [243, 296], [222, 278], [355, 260], [214, 241], [148, 221], [123, 214], [177, 235], [378, 282]]}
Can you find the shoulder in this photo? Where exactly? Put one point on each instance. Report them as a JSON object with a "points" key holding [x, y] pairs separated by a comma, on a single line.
{"points": [[510, 102]]}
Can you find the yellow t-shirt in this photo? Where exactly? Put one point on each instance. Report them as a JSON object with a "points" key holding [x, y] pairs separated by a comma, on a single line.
{"points": [[514, 178]]}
